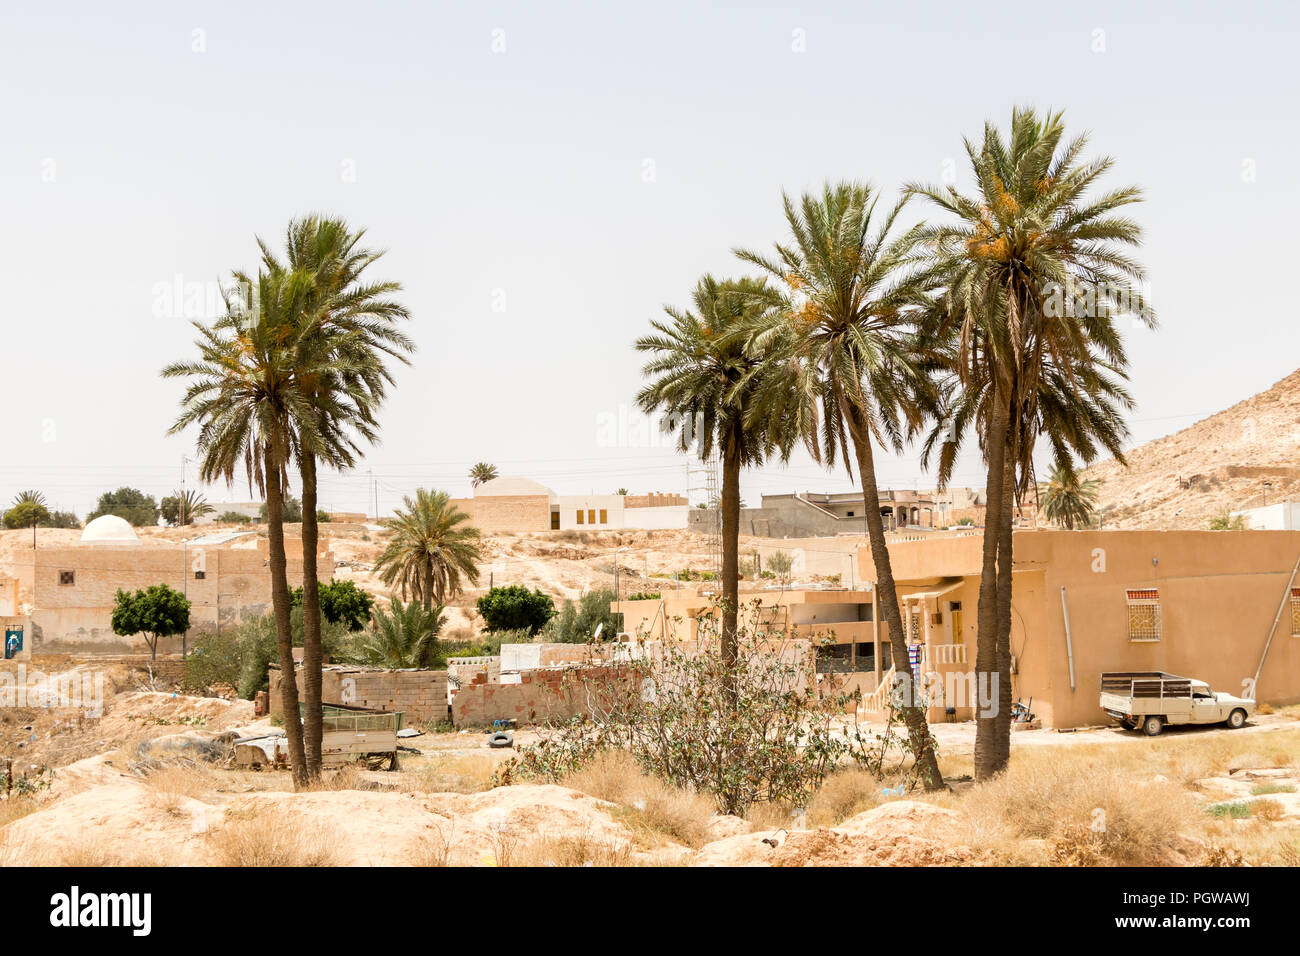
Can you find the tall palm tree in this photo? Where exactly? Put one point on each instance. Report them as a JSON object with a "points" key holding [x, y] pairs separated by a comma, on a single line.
{"points": [[1034, 274], [405, 636], [250, 393], [29, 497], [482, 472], [703, 375], [1068, 499], [356, 322], [846, 371], [190, 505], [433, 550]]}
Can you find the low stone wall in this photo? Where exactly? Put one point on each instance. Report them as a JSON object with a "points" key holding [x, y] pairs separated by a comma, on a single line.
{"points": [[541, 695], [420, 694]]}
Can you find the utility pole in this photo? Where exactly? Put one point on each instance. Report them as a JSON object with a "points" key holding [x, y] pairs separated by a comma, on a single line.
{"points": [[185, 559]]}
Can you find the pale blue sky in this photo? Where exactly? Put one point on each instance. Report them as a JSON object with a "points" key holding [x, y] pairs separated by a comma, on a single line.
{"points": [[516, 179]]}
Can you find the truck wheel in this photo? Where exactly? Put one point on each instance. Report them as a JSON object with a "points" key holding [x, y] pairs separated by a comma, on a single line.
{"points": [[1236, 718], [1153, 725]]}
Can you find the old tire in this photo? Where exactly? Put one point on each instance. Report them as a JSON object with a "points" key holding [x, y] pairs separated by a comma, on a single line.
{"points": [[501, 739], [1236, 718], [1153, 725]]}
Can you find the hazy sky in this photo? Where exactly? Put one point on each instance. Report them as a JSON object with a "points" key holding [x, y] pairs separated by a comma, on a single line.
{"points": [[548, 176]]}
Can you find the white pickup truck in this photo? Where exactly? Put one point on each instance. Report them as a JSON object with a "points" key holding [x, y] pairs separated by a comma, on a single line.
{"points": [[1152, 699]]}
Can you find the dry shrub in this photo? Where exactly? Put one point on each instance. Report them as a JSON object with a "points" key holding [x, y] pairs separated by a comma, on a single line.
{"points": [[649, 806], [262, 836], [448, 773], [434, 848], [580, 849], [1054, 797], [14, 808], [504, 840], [1217, 855], [1265, 809], [844, 794], [171, 785]]}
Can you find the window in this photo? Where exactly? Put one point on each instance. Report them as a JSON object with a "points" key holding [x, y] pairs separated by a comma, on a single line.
{"points": [[200, 575], [1143, 614], [604, 518], [850, 514], [68, 577], [555, 521], [579, 517], [591, 516], [1295, 612]]}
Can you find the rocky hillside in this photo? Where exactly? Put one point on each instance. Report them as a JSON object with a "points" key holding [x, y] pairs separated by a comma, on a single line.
{"points": [[1224, 461]]}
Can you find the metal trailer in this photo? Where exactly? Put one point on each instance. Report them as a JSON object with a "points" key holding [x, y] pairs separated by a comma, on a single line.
{"points": [[348, 735]]}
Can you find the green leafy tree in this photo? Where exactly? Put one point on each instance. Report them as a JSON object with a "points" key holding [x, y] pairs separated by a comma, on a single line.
{"points": [[577, 621], [1034, 271], [130, 504], [1069, 500], [26, 514], [516, 608], [341, 602], [155, 612], [234, 517], [781, 563], [292, 510], [1225, 520], [183, 507], [482, 472], [702, 374], [404, 636], [62, 519], [433, 549]]}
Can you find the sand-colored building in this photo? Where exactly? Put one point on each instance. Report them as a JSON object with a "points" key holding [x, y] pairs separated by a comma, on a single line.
{"points": [[513, 504], [1200, 604], [15, 627], [68, 591]]}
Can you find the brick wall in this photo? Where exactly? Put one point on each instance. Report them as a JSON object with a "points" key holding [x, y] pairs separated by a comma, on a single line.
{"points": [[654, 499], [420, 694]]}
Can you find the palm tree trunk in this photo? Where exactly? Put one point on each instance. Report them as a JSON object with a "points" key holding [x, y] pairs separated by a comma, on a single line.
{"points": [[918, 730], [986, 644], [312, 656], [283, 629], [1002, 738], [730, 505]]}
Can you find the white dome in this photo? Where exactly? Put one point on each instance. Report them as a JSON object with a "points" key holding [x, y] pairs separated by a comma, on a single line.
{"points": [[109, 529], [512, 485]]}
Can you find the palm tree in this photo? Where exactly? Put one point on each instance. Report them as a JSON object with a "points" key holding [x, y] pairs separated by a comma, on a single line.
{"points": [[845, 370], [1034, 275], [407, 636], [482, 472], [355, 325], [703, 375], [432, 551], [1069, 499], [250, 392], [29, 497], [190, 505]]}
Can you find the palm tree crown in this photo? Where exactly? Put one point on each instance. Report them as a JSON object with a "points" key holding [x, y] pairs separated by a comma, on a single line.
{"points": [[432, 550], [1069, 499], [482, 472]]}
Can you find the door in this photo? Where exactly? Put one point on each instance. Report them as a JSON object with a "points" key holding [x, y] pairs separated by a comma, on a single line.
{"points": [[1205, 708], [956, 622]]}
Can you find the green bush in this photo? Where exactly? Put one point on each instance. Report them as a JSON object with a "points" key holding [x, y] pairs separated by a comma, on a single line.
{"points": [[234, 517], [515, 608], [25, 514], [341, 602], [576, 622], [213, 659], [257, 648]]}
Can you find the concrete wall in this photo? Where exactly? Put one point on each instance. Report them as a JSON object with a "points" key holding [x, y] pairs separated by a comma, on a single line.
{"points": [[571, 505], [540, 696], [420, 694]]}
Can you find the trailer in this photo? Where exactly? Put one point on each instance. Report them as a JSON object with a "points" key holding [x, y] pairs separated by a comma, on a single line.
{"points": [[1153, 699], [348, 735]]}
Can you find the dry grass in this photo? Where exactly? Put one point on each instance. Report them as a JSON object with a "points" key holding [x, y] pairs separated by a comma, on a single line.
{"points": [[447, 773], [253, 836], [575, 850], [1086, 810], [650, 808], [434, 848], [170, 785], [844, 794]]}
